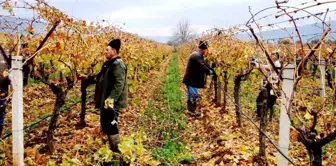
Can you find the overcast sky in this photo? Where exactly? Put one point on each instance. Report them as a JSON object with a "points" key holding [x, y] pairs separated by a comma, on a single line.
{"points": [[159, 17]]}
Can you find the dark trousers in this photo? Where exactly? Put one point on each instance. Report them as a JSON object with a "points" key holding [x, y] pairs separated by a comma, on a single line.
{"points": [[270, 103], [2, 117], [107, 119]]}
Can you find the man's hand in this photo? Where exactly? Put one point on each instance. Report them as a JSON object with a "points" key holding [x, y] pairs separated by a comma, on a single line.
{"points": [[5, 74], [109, 103], [212, 72], [83, 77]]}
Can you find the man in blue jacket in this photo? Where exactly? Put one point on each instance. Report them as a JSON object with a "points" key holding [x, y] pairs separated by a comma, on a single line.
{"points": [[195, 76]]}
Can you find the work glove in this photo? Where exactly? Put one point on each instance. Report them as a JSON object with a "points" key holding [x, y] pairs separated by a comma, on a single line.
{"points": [[109, 103]]}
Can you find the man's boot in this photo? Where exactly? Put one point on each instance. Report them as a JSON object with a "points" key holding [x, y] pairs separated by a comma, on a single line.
{"points": [[192, 108], [189, 105], [259, 106], [271, 114], [114, 141], [1, 127]]}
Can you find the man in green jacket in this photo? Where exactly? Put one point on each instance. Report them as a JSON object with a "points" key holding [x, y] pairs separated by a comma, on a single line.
{"points": [[111, 92]]}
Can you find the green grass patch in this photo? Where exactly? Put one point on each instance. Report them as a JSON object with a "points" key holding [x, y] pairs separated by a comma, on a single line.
{"points": [[172, 94], [165, 110], [328, 147], [32, 81], [171, 88], [173, 150]]}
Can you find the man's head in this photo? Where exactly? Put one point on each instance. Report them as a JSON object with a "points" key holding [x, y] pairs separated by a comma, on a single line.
{"points": [[203, 47], [112, 50], [300, 52], [275, 55]]}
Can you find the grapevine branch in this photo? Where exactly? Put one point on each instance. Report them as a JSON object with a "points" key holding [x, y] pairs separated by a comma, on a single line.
{"points": [[264, 50], [314, 113], [296, 82], [325, 18], [296, 19], [278, 12], [273, 7], [31, 58], [255, 21], [244, 76], [295, 26], [307, 7], [68, 66], [304, 35], [328, 139]]}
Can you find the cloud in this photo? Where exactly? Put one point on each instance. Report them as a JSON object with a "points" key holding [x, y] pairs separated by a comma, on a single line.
{"points": [[159, 30], [151, 31], [133, 13], [159, 17], [200, 28], [165, 9]]}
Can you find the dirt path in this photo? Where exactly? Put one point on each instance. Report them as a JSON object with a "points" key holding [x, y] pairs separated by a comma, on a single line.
{"points": [[140, 100]]}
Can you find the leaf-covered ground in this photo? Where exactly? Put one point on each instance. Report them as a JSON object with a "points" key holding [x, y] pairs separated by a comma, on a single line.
{"points": [[215, 138], [77, 147]]}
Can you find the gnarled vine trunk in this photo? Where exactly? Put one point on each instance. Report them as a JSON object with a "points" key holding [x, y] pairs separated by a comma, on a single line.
{"points": [[236, 92], [60, 101], [225, 89], [84, 85]]}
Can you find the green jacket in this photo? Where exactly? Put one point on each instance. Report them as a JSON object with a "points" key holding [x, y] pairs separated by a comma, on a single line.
{"points": [[112, 82], [115, 84]]}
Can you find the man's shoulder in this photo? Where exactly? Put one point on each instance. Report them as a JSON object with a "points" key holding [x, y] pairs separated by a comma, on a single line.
{"points": [[195, 54], [119, 63]]}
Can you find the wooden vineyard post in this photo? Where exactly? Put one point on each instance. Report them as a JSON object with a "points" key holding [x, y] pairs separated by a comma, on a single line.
{"points": [[17, 111], [287, 86], [322, 64]]}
